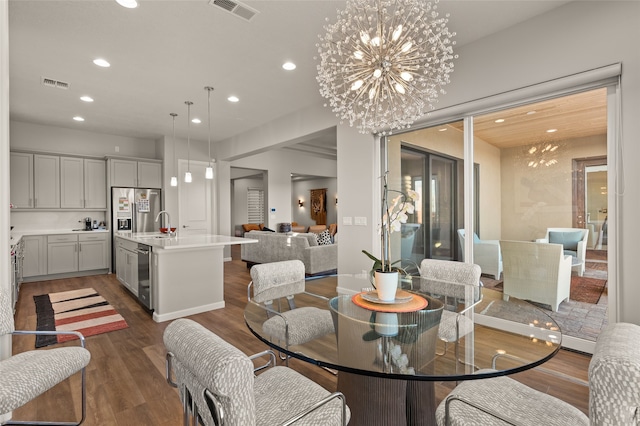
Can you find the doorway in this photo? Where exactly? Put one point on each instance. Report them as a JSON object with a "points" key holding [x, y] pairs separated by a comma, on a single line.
{"points": [[590, 199], [430, 232], [195, 206]]}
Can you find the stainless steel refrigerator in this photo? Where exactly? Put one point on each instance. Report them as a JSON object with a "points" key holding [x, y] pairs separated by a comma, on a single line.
{"points": [[135, 210]]}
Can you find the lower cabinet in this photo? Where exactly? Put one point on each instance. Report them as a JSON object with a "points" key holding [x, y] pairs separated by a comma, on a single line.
{"points": [[76, 252], [127, 264], [34, 263]]}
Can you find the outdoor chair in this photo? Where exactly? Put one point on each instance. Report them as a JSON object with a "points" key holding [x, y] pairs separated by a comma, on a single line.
{"points": [[486, 254], [614, 392], [218, 384], [26, 375], [277, 281], [538, 272], [574, 242], [454, 324]]}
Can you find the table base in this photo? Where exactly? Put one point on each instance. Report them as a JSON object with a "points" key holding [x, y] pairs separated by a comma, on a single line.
{"points": [[388, 402]]}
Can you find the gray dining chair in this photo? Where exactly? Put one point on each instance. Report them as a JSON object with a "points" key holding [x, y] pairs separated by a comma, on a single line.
{"points": [[218, 384], [26, 375], [614, 392], [274, 282], [454, 323]]}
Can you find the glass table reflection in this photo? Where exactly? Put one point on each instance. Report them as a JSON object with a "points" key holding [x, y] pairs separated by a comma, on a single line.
{"points": [[396, 356]]}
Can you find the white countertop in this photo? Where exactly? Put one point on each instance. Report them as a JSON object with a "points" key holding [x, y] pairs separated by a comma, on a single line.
{"points": [[159, 240], [17, 234]]}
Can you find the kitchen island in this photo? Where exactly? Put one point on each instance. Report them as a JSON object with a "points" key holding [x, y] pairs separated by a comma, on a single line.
{"points": [[185, 273]]}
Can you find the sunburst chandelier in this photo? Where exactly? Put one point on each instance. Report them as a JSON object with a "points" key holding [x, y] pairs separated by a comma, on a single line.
{"points": [[384, 62]]}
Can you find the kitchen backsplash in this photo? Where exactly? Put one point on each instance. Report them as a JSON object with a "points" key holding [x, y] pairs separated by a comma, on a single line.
{"points": [[34, 220]]}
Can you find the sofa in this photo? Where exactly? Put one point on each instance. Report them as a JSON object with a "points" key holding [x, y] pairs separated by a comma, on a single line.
{"points": [[574, 241], [275, 247], [538, 272]]}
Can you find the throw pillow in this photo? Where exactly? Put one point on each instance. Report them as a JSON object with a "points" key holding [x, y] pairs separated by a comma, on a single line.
{"points": [[267, 229], [324, 238], [251, 227]]}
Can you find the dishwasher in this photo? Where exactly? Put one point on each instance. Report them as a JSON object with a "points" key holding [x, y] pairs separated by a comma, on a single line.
{"points": [[145, 277]]}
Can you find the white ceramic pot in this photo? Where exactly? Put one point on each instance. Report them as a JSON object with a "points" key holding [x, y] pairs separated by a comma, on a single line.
{"points": [[386, 285], [386, 323]]}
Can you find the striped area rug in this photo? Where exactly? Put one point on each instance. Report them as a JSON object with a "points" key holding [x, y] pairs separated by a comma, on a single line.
{"points": [[81, 310]]}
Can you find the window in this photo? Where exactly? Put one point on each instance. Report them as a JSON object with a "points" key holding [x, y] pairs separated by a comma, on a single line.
{"points": [[255, 205]]}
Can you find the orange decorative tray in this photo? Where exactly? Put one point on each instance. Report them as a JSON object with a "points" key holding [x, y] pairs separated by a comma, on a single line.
{"points": [[414, 304]]}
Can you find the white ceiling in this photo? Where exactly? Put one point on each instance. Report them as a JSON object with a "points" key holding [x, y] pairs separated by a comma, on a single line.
{"points": [[164, 53]]}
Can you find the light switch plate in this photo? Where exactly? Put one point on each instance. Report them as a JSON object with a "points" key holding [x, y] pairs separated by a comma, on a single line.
{"points": [[360, 221], [346, 220]]}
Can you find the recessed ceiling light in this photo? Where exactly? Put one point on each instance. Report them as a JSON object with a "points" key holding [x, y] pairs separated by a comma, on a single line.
{"points": [[531, 112], [101, 63], [196, 121], [552, 130], [129, 4], [78, 118], [444, 129], [500, 120], [289, 66], [86, 98], [233, 99]]}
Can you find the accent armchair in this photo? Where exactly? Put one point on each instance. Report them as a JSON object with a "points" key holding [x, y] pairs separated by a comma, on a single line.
{"points": [[486, 254], [26, 375], [537, 272], [574, 241], [614, 392], [219, 386]]}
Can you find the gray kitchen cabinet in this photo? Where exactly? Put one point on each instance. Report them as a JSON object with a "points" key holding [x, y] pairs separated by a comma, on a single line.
{"points": [[62, 253], [71, 182], [35, 256], [21, 180], [92, 251], [83, 183], [95, 184], [46, 182], [127, 264], [132, 174]]}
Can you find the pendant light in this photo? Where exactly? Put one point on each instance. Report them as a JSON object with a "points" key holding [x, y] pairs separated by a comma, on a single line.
{"points": [[187, 175], [174, 178], [209, 171]]}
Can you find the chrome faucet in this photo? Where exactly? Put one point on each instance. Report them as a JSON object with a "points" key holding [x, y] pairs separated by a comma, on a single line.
{"points": [[169, 232]]}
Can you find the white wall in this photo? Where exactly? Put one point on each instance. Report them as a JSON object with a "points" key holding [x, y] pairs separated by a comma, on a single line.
{"points": [[5, 271], [576, 37], [36, 137], [300, 190]]}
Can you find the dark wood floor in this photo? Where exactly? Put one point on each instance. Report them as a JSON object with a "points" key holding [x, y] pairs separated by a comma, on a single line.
{"points": [[126, 384]]}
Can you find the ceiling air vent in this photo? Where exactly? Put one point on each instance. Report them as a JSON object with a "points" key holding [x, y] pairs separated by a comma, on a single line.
{"points": [[235, 8], [49, 82]]}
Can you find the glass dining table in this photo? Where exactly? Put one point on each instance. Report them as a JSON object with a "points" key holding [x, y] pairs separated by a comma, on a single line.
{"points": [[389, 354]]}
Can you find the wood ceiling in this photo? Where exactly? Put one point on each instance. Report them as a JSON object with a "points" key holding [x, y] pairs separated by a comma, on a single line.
{"points": [[574, 116]]}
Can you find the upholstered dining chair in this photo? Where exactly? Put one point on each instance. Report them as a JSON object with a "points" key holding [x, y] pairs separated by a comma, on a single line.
{"points": [[614, 392], [277, 281], [219, 385], [26, 375], [453, 325]]}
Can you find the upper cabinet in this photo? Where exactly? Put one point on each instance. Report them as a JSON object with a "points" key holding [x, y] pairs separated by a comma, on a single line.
{"points": [[46, 182], [130, 173], [21, 180], [83, 183], [53, 182]]}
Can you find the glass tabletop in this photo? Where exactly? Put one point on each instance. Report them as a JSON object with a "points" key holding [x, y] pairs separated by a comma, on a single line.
{"points": [[380, 340]]}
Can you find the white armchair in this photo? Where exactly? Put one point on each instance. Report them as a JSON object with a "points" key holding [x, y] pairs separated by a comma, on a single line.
{"points": [[538, 272], [486, 254], [574, 242]]}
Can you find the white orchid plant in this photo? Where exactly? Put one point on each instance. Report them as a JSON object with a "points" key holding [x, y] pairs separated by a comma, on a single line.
{"points": [[394, 214]]}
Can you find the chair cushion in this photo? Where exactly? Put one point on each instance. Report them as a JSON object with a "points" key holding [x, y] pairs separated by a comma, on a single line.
{"points": [[511, 400], [568, 239], [281, 393], [277, 279], [447, 328], [28, 374], [305, 324]]}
